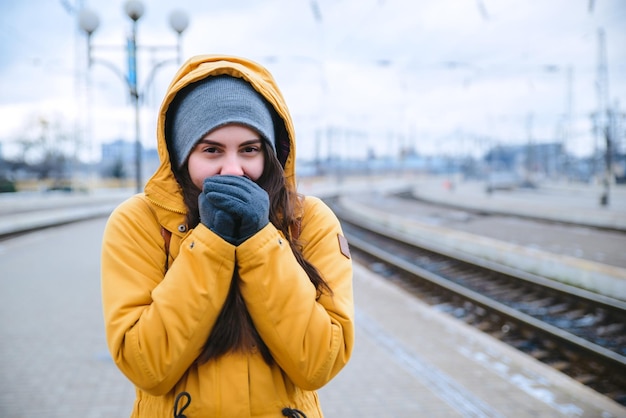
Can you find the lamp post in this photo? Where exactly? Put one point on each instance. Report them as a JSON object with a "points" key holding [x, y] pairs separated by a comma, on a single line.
{"points": [[134, 9]]}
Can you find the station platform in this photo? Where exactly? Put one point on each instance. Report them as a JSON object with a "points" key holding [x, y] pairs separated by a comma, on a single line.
{"points": [[574, 203], [409, 359]]}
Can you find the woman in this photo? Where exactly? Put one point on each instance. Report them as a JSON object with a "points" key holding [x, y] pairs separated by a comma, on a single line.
{"points": [[226, 293]]}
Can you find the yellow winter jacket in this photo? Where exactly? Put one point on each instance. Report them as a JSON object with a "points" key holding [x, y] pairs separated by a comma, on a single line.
{"points": [[157, 320]]}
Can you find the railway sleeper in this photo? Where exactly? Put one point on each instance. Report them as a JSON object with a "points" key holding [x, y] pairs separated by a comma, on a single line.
{"points": [[610, 329]]}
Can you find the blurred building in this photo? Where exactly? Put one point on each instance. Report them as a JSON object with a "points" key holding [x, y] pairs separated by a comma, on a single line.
{"points": [[119, 160], [545, 160]]}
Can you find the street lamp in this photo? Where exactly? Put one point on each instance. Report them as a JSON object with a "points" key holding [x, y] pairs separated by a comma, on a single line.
{"points": [[134, 9]]}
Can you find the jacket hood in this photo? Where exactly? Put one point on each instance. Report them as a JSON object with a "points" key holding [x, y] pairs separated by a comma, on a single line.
{"points": [[162, 188]]}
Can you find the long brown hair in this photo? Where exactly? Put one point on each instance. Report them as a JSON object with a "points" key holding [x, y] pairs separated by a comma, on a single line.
{"points": [[234, 329]]}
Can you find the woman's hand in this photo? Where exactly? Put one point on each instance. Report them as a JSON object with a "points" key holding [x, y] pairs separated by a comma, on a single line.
{"points": [[233, 207]]}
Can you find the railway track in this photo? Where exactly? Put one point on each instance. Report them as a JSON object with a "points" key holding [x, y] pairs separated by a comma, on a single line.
{"points": [[577, 332]]}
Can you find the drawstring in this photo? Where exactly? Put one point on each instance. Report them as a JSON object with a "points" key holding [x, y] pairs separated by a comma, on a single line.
{"points": [[287, 412], [177, 413], [293, 413]]}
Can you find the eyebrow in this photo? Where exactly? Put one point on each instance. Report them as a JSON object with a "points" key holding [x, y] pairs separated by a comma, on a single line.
{"points": [[249, 142]]}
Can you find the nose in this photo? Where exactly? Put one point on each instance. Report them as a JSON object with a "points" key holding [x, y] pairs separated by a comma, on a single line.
{"points": [[232, 166]]}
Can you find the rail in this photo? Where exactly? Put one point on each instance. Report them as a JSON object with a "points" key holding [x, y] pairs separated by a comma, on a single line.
{"points": [[580, 333]]}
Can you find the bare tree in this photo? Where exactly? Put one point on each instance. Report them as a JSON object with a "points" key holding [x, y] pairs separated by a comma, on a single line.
{"points": [[45, 148]]}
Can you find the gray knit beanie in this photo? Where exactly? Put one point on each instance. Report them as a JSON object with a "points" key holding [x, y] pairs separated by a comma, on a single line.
{"points": [[209, 104]]}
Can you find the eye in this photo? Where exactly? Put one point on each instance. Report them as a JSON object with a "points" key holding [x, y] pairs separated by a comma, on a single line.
{"points": [[251, 148], [210, 150]]}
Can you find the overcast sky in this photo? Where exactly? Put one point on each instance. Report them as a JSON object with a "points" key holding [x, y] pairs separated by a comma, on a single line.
{"points": [[441, 76]]}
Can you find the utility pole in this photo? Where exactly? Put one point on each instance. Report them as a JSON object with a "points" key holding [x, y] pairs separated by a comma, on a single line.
{"points": [[530, 154], [567, 128], [602, 117]]}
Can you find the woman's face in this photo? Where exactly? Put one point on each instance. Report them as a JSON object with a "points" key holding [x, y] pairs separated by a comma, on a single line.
{"points": [[231, 149]]}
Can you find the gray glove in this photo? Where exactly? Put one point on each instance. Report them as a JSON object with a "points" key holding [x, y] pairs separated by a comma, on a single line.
{"points": [[233, 207]]}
